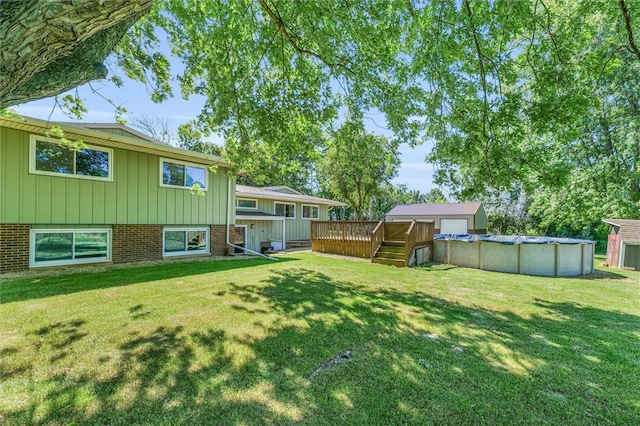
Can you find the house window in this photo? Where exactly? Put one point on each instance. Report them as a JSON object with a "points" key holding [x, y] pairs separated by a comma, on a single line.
{"points": [[184, 241], [310, 212], [182, 175], [51, 247], [245, 203], [52, 158], [285, 209]]}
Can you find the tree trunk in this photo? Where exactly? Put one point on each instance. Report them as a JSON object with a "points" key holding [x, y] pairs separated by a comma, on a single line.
{"points": [[48, 47]]}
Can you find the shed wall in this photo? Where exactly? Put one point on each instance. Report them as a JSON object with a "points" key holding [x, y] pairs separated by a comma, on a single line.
{"points": [[613, 250], [481, 221], [436, 219], [632, 256]]}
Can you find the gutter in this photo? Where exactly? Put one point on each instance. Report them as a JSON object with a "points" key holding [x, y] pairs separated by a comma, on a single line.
{"points": [[229, 223]]}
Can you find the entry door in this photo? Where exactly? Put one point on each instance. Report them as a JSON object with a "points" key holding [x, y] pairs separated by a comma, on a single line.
{"points": [[240, 237]]}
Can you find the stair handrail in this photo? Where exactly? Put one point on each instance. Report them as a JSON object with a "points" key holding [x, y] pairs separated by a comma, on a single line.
{"points": [[409, 242], [377, 236]]}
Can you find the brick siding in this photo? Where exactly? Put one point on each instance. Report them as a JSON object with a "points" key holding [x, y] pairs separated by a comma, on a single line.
{"points": [[136, 243], [14, 247], [129, 243], [218, 237]]}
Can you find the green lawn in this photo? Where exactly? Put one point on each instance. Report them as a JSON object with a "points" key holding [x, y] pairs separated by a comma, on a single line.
{"points": [[240, 342]]}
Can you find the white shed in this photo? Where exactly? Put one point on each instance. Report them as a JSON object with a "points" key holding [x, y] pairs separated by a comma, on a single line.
{"points": [[448, 218]]}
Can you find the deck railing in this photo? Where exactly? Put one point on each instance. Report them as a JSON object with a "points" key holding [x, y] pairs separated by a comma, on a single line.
{"points": [[419, 234], [347, 238], [364, 238], [409, 241], [377, 237]]}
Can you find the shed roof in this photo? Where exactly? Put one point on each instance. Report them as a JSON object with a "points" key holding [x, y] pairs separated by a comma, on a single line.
{"points": [[436, 209], [622, 222], [243, 191]]}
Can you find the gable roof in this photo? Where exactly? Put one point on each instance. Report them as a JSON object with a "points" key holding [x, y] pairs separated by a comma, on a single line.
{"points": [[111, 140], [243, 191], [436, 209], [282, 188], [126, 129]]}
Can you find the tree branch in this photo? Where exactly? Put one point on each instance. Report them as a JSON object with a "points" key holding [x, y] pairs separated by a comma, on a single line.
{"points": [[275, 17], [627, 24], [483, 75]]}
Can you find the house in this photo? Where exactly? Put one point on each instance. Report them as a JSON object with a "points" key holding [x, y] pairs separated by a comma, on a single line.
{"points": [[276, 216], [124, 197], [448, 218], [623, 245]]}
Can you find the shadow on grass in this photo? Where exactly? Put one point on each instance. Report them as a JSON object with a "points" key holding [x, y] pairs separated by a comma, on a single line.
{"points": [[41, 287], [417, 359]]}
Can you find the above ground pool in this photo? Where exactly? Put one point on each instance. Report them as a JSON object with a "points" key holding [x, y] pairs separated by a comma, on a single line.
{"points": [[516, 254]]}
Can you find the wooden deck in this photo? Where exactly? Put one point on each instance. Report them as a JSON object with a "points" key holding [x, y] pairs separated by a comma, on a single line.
{"points": [[371, 240], [347, 238]]}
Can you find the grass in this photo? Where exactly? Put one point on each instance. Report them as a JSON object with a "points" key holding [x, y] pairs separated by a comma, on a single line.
{"points": [[240, 343]]}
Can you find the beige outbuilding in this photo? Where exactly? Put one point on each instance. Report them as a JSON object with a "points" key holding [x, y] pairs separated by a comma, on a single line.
{"points": [[448, 218]]}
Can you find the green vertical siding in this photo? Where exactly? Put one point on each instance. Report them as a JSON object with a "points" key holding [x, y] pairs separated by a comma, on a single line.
{"points": [[295, 229], [134, 196]]}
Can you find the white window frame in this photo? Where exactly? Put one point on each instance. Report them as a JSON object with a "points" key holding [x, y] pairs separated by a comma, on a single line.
{"points": [[275, 203], [310, 205], [33, 139], [247, 199], [187, 252], [32, 246], [186, 164]]}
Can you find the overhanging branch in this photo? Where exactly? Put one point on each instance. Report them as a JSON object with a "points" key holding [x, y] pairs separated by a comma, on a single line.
{"points": [[275, 17], [627, 24]]}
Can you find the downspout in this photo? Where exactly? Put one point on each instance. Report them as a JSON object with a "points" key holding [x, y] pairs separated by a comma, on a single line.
{"points": [[229, 223]]}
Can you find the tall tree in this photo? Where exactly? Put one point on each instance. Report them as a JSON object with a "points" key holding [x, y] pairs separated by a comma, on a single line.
{"points": [[434, 196], [357, 166], [154, 126]]}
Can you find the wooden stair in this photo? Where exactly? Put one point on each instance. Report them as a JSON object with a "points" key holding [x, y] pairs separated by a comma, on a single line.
{"points": [[390, 253]]}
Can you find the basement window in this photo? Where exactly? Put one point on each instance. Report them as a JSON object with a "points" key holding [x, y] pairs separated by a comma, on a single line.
{"points": [[53, 247], [185, 241]]}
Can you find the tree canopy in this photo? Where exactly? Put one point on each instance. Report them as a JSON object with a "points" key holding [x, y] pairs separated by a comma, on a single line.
{"points": [[540, 95], [357, 167]]}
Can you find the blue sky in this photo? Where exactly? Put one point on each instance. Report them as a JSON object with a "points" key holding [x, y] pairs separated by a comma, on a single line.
{"points": [[414, 172]]}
